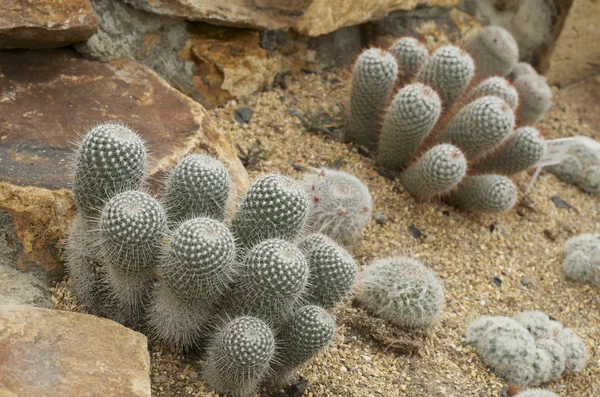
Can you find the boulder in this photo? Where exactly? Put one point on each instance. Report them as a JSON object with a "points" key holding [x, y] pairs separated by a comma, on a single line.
{"points": [[308, 17], [56, 353], [47, 98], [45, 23], [575, 55]]}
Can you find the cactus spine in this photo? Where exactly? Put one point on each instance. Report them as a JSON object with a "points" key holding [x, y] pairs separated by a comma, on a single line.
{"points": [[485, 193], [408, 121], [410, 55], [372, 84], [494, 51], [438, 171]]}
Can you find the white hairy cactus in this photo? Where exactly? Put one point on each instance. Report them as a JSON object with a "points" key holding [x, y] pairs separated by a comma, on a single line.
{"points": [[536, 322], [582, 258], [410, 54], [537, 393], [557, 357], [341, 204], [485, 193], [576, 352], [535, 96], [498, 87], [401, 290], [494, 51], [522, 68]]}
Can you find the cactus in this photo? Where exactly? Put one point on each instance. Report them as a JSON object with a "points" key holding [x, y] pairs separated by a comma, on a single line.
{"points": [[372, 84], [199, 185], [110, 159], [498, 87], [577, 266], [332, 271], [589, 180], [494, 51], [536, 98], [238, 356], [307, 332], [485, 193], [521, 152], [275, 206], [131, 227], [478, 327], [537, 393], [568, 170], [341, 204], [536, 322], [586, 242], [575, 350], [408, 121], [542, 367], [448, 71], [522, 68], [410, 55], [557, 357], [271, 282], [480, 127], [403, 291], [438, 171]]}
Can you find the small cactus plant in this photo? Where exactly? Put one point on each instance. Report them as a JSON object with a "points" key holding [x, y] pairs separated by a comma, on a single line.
{"points": [[198, 185], [582, 258], [111, 158], [239, 355], [485, 193], [438, 171], [536, 98], [494, 51], [275, 206], [536, 322], [576, 352], [537, 393], [522, 68], [557, 357], [401, 290], [498, 87], [332, 271], [408, 121], [373, 81], [410, 54], [341, 204], [581, 166]]}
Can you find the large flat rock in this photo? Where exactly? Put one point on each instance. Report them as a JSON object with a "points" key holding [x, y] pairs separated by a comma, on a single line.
{"points": [[45, 23], [309, 17], [46, 99], [47, 353]]}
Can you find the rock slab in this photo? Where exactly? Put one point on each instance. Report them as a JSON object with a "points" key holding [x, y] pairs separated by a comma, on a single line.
{"points": [[48, 97], [45, 23], [46, 353]]}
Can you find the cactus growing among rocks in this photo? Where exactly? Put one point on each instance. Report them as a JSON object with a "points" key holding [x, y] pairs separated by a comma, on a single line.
{"points": [[341, 204], [485, 193], [557, 356], [582, 258], [239, 355], [581, 166], [410, 54], [401, 290], [408, 121], [198, 185], [275, 206], [373, 81], [536, 98], [498, 87], [576, 352], [449, 71], [537, 393], [494, 51], [536, 322], [110, 159], [332, 271], [438, 171]]}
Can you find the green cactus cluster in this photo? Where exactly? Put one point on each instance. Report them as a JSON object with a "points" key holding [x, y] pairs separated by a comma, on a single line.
{"points": [[250, 291], [462, 97], [528, 349], [581, 165]]}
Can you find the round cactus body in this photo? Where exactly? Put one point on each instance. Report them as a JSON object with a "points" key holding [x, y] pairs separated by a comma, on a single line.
{"points": [[536, 98], [341, 204], [589, 180], [577, 266], [567, 170], [408, 121], [403, 291], [585, 242], [199, 185], [536, 322], [238, 356], [522, 68], [436, 172], [275, 206], [494, 50], [576, 352], [308, 331], [485, 193], [410, 54], [498, 87], [537, 393], [477, 328], [557, 357], [521, 152], [372, 84], [480, 127], [272, 281], [587, 150], [448, 71], [111, 158], [332, 271], [198, 261]]}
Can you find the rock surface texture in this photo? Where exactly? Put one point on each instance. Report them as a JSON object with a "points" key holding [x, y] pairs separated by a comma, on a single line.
{"points": [[47, 98], [45, 23], [56, 353]]}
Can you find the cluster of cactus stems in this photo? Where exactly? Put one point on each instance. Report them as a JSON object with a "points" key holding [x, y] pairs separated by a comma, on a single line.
{"points": [[582, 258], [458, 127], [251, 292], [581, 165], [528, 349]]}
